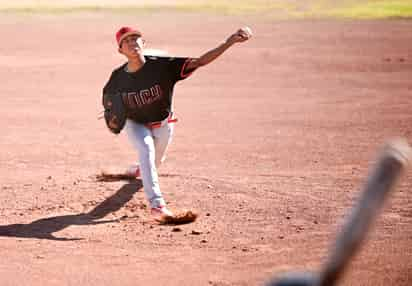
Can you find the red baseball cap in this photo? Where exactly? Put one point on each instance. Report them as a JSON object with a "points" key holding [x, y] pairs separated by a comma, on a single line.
{"points": [[124, 32]]}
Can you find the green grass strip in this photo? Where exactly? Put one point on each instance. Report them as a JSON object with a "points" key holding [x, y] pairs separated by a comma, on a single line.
{"points": [[287, 9], [375, 10]]}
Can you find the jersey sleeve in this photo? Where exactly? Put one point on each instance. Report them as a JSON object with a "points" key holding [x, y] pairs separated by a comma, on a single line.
{"points": [[177, 68], [110, 84]]}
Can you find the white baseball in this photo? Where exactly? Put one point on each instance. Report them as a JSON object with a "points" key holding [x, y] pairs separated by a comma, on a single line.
{"points": [[247, 31]]}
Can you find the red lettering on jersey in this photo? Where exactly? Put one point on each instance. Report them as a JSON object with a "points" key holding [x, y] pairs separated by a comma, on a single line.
{"points": [[145, 96], [137, 99], [156, 92], [128, 99]]}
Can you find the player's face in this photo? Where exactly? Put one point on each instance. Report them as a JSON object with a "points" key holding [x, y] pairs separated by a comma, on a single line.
{"points": [[132, 46]]}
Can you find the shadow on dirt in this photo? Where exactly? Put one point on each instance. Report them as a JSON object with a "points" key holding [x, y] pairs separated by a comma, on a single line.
{"points": [[44, 228]]}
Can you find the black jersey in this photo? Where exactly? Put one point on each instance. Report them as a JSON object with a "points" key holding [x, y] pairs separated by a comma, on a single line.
{"points": [[147, 94]]}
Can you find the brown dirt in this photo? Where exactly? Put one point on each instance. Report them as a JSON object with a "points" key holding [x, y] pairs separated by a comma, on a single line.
{"points": [[274, 142]]}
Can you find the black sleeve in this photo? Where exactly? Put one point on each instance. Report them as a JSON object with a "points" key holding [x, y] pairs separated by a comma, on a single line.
{"points": [[114, 109], [109, 86], [177, 68]]}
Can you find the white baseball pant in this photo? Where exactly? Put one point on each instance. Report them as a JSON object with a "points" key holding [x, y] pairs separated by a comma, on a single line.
{"points": [[151, 145]]}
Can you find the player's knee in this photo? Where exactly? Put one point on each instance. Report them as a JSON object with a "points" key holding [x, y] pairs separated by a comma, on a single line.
{"points": [[146, 148]]}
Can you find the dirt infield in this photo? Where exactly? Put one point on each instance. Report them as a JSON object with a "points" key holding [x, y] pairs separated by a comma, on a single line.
{"points": [[273, 144]]}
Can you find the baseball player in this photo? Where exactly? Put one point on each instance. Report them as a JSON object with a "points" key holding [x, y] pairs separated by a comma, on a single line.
{"points": [[138, 97]]}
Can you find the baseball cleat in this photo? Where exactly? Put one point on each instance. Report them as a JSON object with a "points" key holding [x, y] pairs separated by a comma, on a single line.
{"points": [[133, 172], [160, 212]]}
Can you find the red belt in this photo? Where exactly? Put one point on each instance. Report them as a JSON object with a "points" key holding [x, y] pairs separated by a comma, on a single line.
{"points": [[157, 124]]}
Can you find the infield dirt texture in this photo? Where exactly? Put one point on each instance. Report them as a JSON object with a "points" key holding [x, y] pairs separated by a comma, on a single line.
{"points": [[273, 144]]}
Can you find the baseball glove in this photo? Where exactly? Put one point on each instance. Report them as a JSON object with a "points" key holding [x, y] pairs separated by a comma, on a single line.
{"points": [[114, 112]]}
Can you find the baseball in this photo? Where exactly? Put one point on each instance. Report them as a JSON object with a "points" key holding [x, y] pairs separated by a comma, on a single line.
{"points": [[247, 31]]}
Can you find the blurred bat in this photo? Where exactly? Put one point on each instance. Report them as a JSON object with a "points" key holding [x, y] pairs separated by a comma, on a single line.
{"points": [[389, 166]]}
